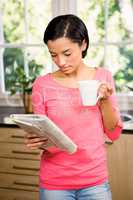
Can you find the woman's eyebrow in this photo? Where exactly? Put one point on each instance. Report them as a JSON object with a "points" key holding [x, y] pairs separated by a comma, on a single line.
{"points": [[52, 52], [66, 50]]}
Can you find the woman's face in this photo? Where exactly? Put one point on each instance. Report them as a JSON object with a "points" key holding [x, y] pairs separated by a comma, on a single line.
{"points": [[66, 54]]}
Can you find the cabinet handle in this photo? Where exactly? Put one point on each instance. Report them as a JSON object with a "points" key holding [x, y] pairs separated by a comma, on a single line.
{"points": [[25, 152], [25, 168], [25, 184], [109, 142], [17, 136]]}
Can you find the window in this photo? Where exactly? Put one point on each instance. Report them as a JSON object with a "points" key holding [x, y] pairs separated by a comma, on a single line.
{"points": [[22, 25], [110, 27]]}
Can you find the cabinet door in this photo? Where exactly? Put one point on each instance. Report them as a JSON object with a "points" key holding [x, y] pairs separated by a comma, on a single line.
{"points": [[120, 163], [19, 166], [7, 194], [21, 182], [15, 135], [14, 150]]}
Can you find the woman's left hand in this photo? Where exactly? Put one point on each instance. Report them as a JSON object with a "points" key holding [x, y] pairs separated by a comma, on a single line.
{"points": [[105, 91]]}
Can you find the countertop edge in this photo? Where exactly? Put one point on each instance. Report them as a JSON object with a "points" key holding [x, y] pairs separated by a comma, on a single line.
{"points": [[5, 125]]}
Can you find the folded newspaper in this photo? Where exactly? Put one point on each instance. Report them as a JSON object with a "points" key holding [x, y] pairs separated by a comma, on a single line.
{"points": [[44, 127]]}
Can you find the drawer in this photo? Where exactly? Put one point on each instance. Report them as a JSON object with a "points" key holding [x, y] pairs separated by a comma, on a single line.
{"points": [[11, 150], [21, 182], [15, 135], [17, 166], [7, 194]]}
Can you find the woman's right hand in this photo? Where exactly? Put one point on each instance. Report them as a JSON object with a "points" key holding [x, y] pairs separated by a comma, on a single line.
{"points": [[32, 141]]}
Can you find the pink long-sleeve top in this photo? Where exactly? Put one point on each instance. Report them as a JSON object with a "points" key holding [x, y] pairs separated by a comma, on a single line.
{"points": [[83, 124]]}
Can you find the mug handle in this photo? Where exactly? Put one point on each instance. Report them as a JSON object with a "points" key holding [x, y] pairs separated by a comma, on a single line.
{"points": [[99, 96]]}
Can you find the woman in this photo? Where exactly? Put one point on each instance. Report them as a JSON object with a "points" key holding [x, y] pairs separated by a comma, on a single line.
{"points": [[82, 175]]}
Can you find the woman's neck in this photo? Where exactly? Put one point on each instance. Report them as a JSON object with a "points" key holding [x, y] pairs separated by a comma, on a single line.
{"points": [[83, 73], [79, 72]]}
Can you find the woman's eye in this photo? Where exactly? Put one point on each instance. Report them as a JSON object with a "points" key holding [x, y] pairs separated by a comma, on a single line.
{"points": [[68, 54]]}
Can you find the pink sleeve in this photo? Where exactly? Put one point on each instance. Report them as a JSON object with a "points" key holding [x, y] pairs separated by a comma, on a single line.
{"points": [[113, 135], [38, 96]]}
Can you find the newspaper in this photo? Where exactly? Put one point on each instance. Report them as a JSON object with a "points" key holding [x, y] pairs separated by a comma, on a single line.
{"points": [[42, 126]]}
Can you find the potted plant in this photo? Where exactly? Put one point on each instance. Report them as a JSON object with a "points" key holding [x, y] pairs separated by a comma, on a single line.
{"points": [[22, 84]]}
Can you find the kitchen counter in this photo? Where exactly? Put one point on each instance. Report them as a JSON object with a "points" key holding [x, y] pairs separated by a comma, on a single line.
{"points": [[8, 125], [127, 131], [2, 124]]}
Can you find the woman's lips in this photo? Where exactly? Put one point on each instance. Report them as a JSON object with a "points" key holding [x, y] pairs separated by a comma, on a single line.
{"points": [[65, 68]]}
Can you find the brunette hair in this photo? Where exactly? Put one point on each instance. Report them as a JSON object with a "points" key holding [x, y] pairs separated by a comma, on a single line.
{"points": [[69, 26]]}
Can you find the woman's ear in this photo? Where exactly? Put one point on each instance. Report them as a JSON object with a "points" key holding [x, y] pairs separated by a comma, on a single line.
{"points": [[84, 45]]}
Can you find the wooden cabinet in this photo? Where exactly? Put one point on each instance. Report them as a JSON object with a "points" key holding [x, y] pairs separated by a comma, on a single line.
{"points": [[18, 166], [120, 162]]}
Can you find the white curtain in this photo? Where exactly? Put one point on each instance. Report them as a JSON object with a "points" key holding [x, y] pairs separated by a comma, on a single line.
{"points": [[60, 7]]}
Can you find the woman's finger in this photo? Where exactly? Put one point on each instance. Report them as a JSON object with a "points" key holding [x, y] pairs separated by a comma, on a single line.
{"points": [[35, 140], [35, 145], [30, 135]]}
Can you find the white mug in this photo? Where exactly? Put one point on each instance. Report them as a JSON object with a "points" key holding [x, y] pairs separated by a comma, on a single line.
{"points": [[89, 91]]}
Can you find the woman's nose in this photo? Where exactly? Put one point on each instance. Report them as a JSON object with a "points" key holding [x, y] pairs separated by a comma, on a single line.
{"points": [[61, 61]]}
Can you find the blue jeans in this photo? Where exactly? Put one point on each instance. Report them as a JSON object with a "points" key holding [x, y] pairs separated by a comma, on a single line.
{"points": [[99, 192]]}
